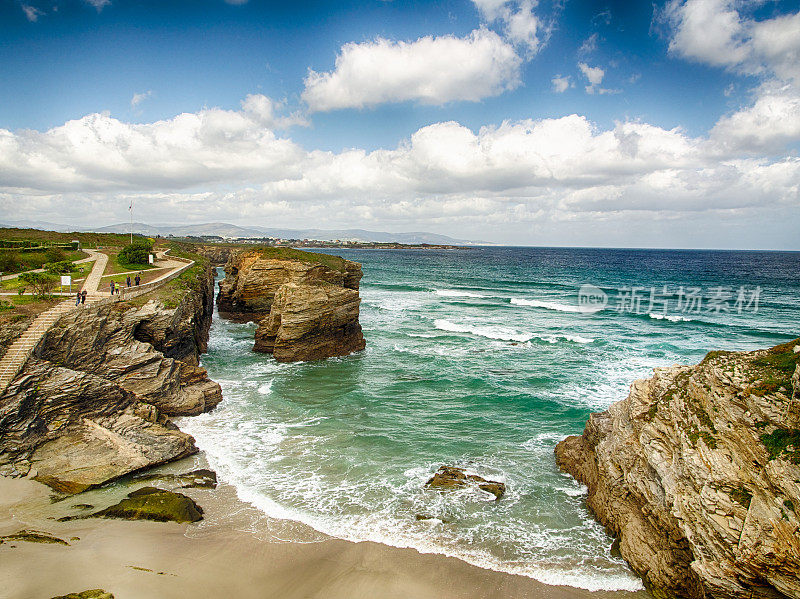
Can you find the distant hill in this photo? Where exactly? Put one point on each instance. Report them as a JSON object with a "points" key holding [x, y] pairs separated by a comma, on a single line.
{"points": [[229, 230]]}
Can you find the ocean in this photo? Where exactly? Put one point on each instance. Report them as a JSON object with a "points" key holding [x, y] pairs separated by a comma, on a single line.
{"points": [[482, 358]]}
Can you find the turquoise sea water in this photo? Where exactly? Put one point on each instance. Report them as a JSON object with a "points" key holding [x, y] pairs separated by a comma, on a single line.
{"points": [[480, 358]]}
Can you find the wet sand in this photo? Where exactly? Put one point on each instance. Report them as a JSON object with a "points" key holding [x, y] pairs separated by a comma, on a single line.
{"points": [[234, 552]]}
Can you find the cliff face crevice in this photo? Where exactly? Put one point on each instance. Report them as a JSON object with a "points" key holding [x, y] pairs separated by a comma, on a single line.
{"points": [[697, 472], [93, 403], [305, 310]]}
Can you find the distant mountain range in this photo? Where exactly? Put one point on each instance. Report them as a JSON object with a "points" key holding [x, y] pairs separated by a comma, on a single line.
{"points": [[235, 231]]}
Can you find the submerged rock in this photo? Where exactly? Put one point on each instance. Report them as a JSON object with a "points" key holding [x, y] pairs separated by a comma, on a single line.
{"points": [[306, 304], [697, 472], [451, 477], [90, 594], [33, 536], [151, 503]]}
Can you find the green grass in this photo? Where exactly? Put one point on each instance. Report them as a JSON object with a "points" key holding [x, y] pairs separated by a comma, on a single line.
{"points": [[714, 354], [742, 496], [281, 253], [86, 239], [171, 294], [775, 368], [783, 442], [20, 262]]}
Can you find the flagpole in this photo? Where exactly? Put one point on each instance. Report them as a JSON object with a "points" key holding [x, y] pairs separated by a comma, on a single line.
{"points": [[130, 211]]}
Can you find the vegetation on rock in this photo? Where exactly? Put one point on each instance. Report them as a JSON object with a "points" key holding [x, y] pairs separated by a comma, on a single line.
{"points": [[33, 536], [88, 594], [151, 503]]}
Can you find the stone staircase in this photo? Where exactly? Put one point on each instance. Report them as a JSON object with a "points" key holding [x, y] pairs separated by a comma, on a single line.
{"points": [[19, 352]]}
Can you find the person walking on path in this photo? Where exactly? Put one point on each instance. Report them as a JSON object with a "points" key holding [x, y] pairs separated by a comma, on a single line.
{"points": [[78, 299], [112, 287], [128, 280], [83, 296], [138, 279]]}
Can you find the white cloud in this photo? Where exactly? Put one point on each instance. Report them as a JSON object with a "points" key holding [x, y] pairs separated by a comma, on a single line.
{"points": [[32, 13], [513, 177], [772, 122], [589, 45], [139, 98], [521, 25], [431, 70], [593, 74], [100, 153], [561, 84], [714, 32], [99, 4], [719, 33]]}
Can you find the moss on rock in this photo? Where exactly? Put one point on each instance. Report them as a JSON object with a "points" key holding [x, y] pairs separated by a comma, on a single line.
{"points": [[89, 594], [33, 536], [151, 503]]}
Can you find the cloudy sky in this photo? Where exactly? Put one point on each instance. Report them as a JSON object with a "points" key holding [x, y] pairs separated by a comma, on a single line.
{"points": [[550, 122]]}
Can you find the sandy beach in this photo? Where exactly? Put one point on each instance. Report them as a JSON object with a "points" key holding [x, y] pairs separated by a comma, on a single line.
{"points": [[235, 551]]}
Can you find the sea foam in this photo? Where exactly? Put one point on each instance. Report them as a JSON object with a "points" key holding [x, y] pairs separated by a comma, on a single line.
{"points": [[456, 293], [548, 305], [490, 332]]}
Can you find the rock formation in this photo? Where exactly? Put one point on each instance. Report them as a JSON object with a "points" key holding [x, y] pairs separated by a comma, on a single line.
{"points": [[451, 477], [306, 304], [697, 473], [93, 403], [218, 255], [152, 503]]}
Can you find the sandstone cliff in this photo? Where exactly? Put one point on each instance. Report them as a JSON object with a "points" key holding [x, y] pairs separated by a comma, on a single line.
{"points": [[697, 473], [307, 305], [218, 255], [93, 403]]}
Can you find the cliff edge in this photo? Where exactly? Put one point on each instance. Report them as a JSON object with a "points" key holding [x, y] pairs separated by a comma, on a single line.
{"points": [[306, 305], [94, 401], [697, 472]]}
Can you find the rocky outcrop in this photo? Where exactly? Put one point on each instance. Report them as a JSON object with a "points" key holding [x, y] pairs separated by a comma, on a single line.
{"points": [[73, 430], [697, 472], [450, 478], [93, 403], [118, 342], [152, 503], [218, 255], [307, 305], [11, 329]]}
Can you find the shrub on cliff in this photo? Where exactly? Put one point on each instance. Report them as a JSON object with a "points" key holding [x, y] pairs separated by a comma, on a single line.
{"points": [[41, 283], [57, 268], [136, 252], [9, 262]]}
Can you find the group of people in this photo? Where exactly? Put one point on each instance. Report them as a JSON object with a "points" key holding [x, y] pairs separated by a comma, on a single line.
{"points": [[80, 298], [116, 287]]}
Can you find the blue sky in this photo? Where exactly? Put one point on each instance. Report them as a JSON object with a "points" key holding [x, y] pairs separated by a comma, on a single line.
{"points": [[454, 117]]}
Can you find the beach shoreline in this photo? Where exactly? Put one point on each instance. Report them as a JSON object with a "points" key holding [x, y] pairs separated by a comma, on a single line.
{"points": [[236, 551]]}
